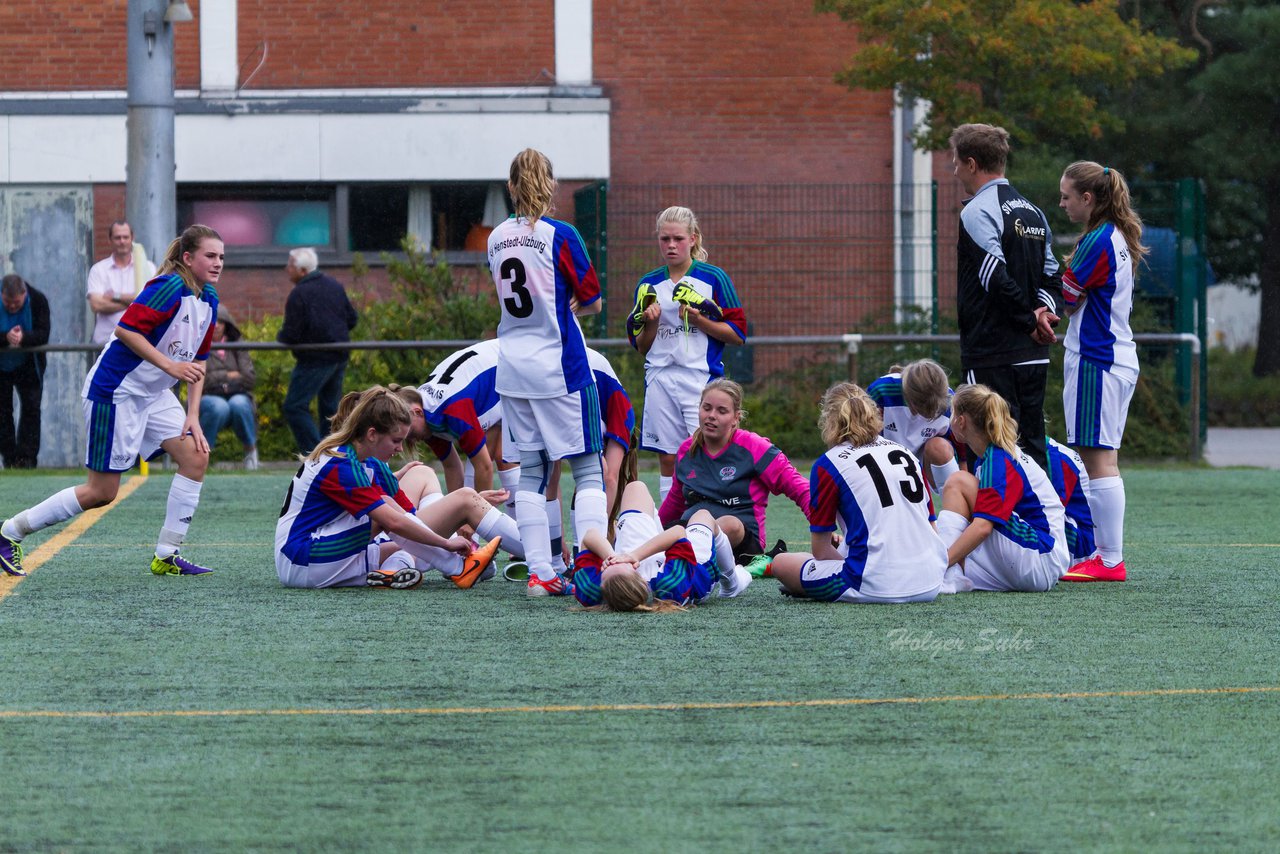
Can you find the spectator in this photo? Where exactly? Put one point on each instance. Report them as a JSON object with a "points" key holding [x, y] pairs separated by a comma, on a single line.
{"points": [[317, 312], [24, 320], [228, 381], [1008, 283], [114, 280]]}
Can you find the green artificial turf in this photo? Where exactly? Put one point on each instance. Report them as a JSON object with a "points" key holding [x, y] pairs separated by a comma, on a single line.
{"points": [[481, 758]]}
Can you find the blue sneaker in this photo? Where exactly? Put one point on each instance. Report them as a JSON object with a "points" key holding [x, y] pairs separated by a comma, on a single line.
{"points": [[11, 556], [177, 565]]}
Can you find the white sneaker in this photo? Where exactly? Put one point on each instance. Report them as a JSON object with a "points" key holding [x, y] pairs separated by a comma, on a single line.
{"points": [[251, 461], [955, 581], [731, 588]]}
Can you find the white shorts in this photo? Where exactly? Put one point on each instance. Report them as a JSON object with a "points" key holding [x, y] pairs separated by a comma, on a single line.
{"points": [[1096, 403], [999, 563], [634, 529], [347, 572], [827, 581], [135, 427], [671, 397], [562, 426]]}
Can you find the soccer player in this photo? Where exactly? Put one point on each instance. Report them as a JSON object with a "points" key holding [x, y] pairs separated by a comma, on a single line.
{"points": [[685, 312], [731, 473], [1100, 365], [1005, 525], [1070, 480], [915, 404], [651, 569], [162, 339], [544, 280], [344, 495], [871, 488]]}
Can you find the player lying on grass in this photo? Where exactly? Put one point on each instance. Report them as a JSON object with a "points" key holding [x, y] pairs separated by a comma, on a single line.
{"points": [[344, 495], [1005, 525], [915, 400], [872, 490], [162, 339], [651, 569]]}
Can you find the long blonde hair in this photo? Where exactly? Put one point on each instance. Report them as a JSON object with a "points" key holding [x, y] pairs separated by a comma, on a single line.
{"points": [[730, 388], [411, 397], [628, 591], [532, 184], [849, 415], [189, 241], [376, 407], [925, 387], [683, 216], [1111, 202], [988, 413]]}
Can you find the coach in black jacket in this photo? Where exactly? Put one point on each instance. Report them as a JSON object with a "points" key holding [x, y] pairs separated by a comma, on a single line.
{"points": [[317, 312], [24, 322], [1009, 286]]}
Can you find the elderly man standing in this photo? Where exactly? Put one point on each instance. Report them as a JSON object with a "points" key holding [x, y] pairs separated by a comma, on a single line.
{"points": [[317, 312], [24, 323], [115, 280]]}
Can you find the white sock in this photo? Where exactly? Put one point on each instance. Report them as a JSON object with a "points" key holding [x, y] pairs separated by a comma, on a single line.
{"points": [[724, 555], [1106, 504], [184, 497], [498, 524], [469, 474], [429, 557], [510, 479], [590, 512], [555, 528], [531, 517], [942, 472], [56, 508], [397, 561], [950, 526], [664, 486]]}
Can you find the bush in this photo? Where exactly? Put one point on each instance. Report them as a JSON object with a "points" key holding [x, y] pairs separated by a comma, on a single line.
{"points": [[1236, 397]]}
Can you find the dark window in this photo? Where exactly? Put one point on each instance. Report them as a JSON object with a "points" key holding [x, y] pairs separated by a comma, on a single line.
{"points": [[379, 217]]}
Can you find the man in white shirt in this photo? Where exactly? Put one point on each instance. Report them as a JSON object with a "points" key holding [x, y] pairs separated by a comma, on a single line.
{"points": [[114, 281]]}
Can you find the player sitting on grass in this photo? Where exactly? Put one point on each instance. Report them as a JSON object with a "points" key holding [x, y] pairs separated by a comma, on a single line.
{"points": [[651, 569], [344, 495], [872, 490], [915, 400], [1006, 525]]}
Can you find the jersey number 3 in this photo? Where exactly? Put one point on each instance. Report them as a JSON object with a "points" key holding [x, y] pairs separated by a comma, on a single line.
{"points": [[520, 303], [911, 486]]}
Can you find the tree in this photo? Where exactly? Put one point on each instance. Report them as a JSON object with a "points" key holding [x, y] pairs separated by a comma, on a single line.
{"points": [[1039, 68]]}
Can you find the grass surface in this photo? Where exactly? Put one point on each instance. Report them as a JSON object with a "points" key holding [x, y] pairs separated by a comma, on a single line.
{"points": [[444, 719]]}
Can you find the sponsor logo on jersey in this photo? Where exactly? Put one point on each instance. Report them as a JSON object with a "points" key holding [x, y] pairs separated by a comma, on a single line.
{"points": [[176, 351], [728, 472], [892, 425], [928, 432], [1031, 231]]}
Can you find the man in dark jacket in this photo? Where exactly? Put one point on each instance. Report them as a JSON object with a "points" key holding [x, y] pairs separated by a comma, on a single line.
{"points": [[1008, 284], [24, 323], [317, 312]]}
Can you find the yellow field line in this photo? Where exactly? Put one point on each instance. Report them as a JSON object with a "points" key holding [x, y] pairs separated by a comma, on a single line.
{"points": [[59, 541], [634, 707]]}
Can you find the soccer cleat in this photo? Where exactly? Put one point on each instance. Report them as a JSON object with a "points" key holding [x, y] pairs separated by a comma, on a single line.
{"points": [[475, 564], [646, 295], [177, 565], [11, 556], [759, 566], [516, 570], [557, 586], [1094, 569], [396, 579], [687, 295]]}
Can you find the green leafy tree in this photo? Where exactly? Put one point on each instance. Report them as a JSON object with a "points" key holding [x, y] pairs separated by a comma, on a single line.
{"points": [[1039, 68]]}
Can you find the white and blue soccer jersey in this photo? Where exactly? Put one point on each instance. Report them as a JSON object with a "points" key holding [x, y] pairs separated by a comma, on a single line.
{"points": [[901, 425], [1015, 495], [1101, 273], [679, 578], [1070, 480], [175, 321], [876, 496], [326, 491], [460, 399], [616, 412], [681, 347], [538, 269]]}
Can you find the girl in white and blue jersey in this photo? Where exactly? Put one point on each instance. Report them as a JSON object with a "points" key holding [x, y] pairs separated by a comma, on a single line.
{"points": [[1004, 525], [1101, 361], [162, 339], [873, 491], [685, 312], [915, 401], [550, 406]]}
